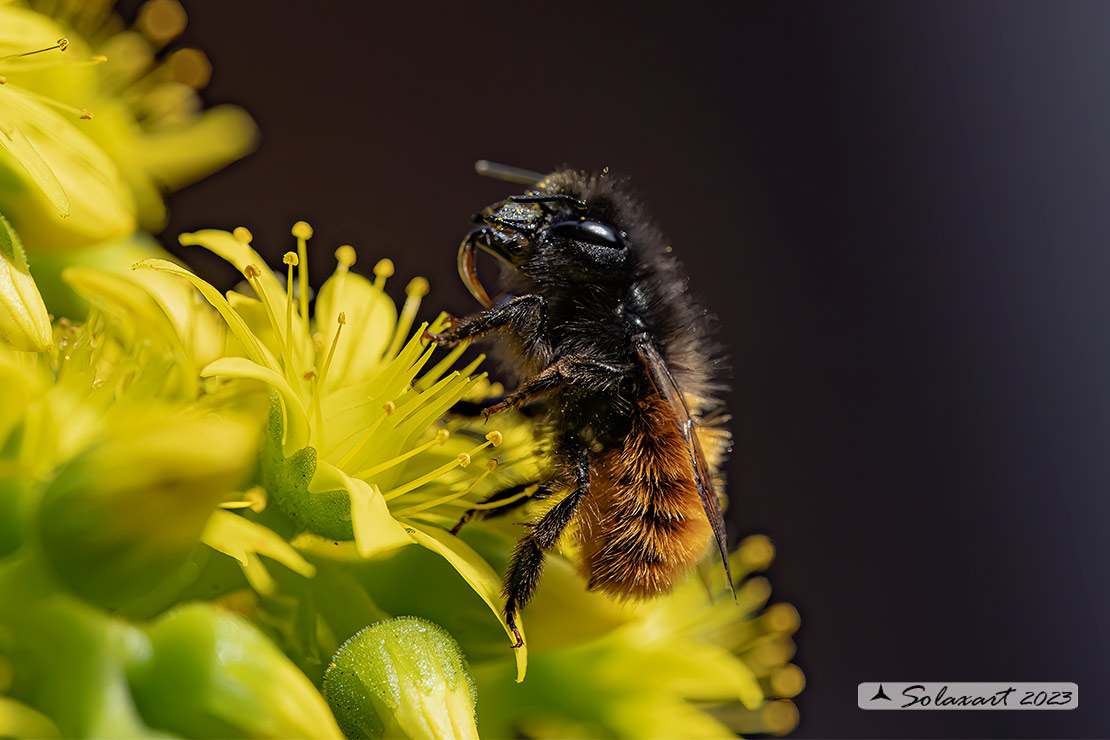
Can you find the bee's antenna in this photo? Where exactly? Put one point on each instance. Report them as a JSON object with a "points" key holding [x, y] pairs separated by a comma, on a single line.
{"points": [[507, 173]]}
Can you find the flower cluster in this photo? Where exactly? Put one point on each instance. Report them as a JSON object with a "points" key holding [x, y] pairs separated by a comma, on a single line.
{"points": [[97, 122], [231, 514]]}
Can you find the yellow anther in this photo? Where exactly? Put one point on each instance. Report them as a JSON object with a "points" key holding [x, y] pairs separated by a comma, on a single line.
{"points": [[161, 20], [770, 653], [788, 680], [302, 230], [757, 589], [310, 374], [318, 341], [250, 271], [389, 407], [782, 618], [98, 59], [86, 115], [779, 717], [495, 438], [290, 258], [256, 497], [384, 268], [442, 436], [417, 288], [342, 318], [189, 67], [464, 459], [60, 45], [756, 552], [491, 466], [345, 255], [243, 234], [3, 80]]}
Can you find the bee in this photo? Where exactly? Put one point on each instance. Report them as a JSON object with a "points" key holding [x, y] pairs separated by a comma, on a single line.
{"points": [[612, 350]]}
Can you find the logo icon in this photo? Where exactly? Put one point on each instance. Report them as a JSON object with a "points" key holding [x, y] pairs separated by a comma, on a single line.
{"points": [[880, 694]]}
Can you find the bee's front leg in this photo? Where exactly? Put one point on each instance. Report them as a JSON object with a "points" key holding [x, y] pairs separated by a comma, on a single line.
{"points": [[526, 314]]}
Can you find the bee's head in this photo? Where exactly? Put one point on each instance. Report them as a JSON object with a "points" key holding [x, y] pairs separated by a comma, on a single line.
{"points": [[550, 236]]}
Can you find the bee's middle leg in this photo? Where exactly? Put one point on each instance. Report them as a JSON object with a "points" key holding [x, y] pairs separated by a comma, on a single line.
{"points": [[582, 371], [526, 565], [542, 491]]}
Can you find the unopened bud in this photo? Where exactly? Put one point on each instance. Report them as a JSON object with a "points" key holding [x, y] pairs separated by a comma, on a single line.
{"points": [[125, 514], [404, 677], [24, 323], [209, 673]]}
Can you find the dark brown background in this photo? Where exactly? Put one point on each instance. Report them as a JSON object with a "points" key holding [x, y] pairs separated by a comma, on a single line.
{"points": [[899, 212]]}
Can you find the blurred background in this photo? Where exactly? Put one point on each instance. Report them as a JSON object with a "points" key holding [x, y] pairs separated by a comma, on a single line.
{"points": [[899, 213]]}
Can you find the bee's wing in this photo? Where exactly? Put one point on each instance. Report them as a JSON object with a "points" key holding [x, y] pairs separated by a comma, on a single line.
{"points": [[665, 384]]}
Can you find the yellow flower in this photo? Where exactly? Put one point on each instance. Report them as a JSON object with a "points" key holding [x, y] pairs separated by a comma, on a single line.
{"points": [[358, 462], [113, 457], [93, 132], [680, 666], [91, 434]]}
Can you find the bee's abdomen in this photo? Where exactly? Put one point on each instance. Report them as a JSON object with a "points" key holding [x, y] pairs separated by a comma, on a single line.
{"points": [[643, 525]]}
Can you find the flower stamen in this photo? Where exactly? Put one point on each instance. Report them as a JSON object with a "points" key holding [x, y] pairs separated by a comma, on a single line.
{"points": [[252, 273], [453, 497], [345, 256], [161, 20], [291, 260], [440, 439], [416, 290], [62, 45], [253, 499], [388, 408], [303, 231], [441, 470], [383, 270], [315, 409]]}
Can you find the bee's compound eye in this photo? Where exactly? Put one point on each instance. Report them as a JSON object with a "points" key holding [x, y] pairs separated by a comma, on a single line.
{"points": [[591, 232]]}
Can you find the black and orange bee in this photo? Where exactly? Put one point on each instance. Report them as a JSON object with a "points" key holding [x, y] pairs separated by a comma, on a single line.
{"points": [[616, 357]]}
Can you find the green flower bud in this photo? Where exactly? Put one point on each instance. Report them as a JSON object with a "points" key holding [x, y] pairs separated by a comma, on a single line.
{"points": [[213, 674], [125, 514], [402, 678], [24, 323]]}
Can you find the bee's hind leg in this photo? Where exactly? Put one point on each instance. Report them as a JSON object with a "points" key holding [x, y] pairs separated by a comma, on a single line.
{"points": [[526, 565], [542, 491]]}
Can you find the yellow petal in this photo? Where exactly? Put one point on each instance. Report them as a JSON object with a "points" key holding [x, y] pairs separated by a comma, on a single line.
{"points": [[477, 572], [239, 538], [296, 418], [101, 206], [255, 349], [184, 154], [19, 720], [371, 318], [376, 531]]}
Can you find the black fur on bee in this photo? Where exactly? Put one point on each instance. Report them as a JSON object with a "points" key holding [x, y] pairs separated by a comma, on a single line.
{"points": [[607, 343]]}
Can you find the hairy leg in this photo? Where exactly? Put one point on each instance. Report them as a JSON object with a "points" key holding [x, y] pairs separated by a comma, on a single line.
{"points": [[526, 565], [527, 314]]}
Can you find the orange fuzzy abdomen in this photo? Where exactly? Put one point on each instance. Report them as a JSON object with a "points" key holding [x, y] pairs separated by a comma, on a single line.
{"points": [[643, 525]]}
